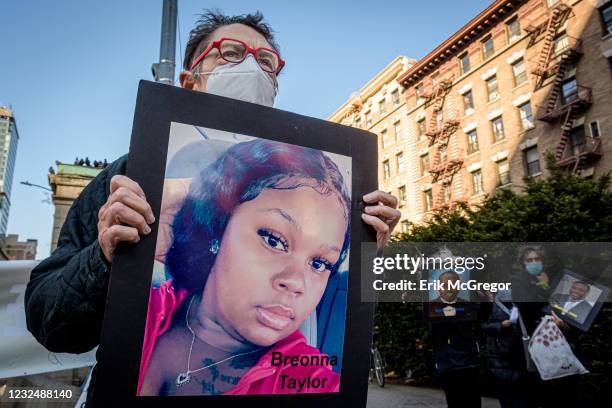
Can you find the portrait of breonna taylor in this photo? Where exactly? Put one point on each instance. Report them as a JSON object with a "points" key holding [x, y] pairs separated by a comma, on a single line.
{"points": [[253, 242]]}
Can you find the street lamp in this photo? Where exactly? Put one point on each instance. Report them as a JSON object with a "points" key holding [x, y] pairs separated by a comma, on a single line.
{"points": [[27, 183]]}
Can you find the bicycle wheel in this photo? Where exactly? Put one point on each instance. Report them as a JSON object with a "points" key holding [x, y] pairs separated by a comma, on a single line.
{"points": [[379, 368]]}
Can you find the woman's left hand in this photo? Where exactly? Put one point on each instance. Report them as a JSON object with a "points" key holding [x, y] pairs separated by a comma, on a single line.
{"points": [[382, 214], [560, 323]]}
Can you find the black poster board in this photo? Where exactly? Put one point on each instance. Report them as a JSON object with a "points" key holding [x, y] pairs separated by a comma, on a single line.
{"points": [[160, 107]]}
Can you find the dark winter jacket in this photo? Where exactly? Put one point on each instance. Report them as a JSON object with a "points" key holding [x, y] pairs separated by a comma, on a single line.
{"points": [[454, 345], [505, 354], [66, 294]]}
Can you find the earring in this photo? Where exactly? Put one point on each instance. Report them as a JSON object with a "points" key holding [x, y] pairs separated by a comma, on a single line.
{"points": [[214, 246]]}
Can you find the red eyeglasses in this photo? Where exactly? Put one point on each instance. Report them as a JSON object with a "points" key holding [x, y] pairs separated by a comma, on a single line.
{"points": [[234, 51]]}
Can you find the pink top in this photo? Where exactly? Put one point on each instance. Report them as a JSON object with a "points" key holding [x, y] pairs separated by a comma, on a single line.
{"points": [[263, 377]]}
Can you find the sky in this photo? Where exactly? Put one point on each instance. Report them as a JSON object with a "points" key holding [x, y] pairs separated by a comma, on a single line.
{"points": [[70, 70]]}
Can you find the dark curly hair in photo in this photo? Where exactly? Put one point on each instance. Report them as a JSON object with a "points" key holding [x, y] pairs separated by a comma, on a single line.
{"points": [[239, 175]]}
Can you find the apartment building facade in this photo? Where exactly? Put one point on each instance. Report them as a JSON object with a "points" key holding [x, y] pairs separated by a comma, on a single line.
{"points": [[522, 78], [380, 107]]}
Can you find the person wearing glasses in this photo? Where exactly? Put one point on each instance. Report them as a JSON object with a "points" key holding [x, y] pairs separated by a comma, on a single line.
{"points": [[232, 56]]}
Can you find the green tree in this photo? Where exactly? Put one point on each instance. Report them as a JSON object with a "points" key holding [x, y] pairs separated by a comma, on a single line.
{"points": [[562, 207]]}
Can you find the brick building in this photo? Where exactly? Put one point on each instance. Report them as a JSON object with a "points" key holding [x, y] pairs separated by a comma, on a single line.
{"points": [[521, 78], [380, 107], [13, 249]]}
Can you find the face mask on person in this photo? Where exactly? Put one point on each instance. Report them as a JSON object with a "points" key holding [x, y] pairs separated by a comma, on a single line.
{"points": [[534, 268], [245, 81]]}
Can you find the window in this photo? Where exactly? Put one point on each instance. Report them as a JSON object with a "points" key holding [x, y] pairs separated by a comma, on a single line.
{"points": [[561, 44], [551, 2], [402, 195], [526, 116], [386, 169], [395, 97], [577, 140], [594, 129], [443, 153], [358, 123], [427, 200], [570, 90], [468, 103], [464, 63], [520, 74], [503, 172], [492, 88], [424, 164], [497, 125], [382, 106], [532, 160], [435, 79], [400, 161], [439, 119], [405, 226], [368, 118], [472, 142], [397, 128], [418, 91], [421, 128], [385, 138], [446, 192], [477, 186], [488, 49], [606, 16], [513, 28]]}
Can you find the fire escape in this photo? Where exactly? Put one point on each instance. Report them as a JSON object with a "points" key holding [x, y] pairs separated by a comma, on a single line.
{"points": [[442, 166], [566, 100]]}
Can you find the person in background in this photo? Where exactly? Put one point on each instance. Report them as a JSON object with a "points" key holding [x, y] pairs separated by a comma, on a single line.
{"points": [[456, 360], [531, 293], [66, 294], [504, 351]]}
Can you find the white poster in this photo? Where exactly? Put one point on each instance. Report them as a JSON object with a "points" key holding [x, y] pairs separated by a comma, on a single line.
{"points": [[20, 353]]}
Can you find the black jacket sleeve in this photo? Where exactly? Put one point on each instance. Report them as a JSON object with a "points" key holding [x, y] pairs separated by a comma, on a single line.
{"points": [[66, 294]]}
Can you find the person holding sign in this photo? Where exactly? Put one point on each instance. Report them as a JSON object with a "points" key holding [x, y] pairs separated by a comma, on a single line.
{"points": [[235, 57]]}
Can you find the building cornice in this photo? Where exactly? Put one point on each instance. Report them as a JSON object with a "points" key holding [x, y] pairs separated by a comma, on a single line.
{"points": [[459, 41]]}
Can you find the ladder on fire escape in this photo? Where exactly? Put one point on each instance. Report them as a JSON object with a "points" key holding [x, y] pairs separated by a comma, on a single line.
{"points": [[562, 105], [558, 15], [442, 169], [437, 98]]}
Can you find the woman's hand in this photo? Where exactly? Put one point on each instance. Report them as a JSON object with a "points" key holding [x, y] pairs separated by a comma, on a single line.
{"points": [[125, 215], [382, 214], [543, 278], [560, 323]]}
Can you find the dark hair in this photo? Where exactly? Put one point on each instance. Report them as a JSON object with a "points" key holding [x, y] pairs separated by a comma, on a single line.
{"points": [[586, 284], [239, 175], [528, 249], [451, 272], [211, 20]]}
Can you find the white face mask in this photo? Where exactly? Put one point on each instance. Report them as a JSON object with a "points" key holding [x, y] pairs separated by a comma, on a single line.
{"points": [[245, 81]]}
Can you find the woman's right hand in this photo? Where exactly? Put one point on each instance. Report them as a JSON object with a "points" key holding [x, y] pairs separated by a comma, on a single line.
{"points": [[543, 278], [125, 215]]}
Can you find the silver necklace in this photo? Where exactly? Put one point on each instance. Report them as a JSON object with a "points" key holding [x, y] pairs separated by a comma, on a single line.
{"points": [[185, 377]]}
